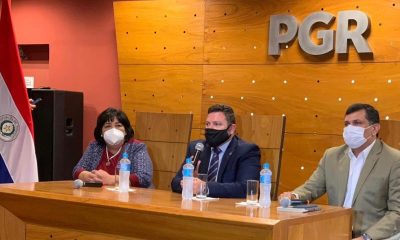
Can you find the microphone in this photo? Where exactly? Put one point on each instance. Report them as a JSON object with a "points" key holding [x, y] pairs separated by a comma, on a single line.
{"points": [[199, 148], [287, 202], [79, 183]]}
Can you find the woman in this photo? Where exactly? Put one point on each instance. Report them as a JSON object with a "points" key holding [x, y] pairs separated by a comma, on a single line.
{"points": [[114, 135]]}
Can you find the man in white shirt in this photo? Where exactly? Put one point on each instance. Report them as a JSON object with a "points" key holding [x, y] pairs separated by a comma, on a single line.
{"points": [[363, 174]]}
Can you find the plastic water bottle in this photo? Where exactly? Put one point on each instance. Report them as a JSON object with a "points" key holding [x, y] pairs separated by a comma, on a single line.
{"points": [[124, 173], [265, 186], [187, 184]]}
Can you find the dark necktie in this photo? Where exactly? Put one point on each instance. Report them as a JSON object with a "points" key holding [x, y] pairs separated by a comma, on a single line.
{"points": [[213, 170]]}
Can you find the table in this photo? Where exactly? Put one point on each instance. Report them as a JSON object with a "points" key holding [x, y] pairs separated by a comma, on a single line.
{"points": [[54, 210]]}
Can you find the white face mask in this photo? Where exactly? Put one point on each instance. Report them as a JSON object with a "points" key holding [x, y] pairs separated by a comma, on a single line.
{"points": [[354, 136], [113, 136]]}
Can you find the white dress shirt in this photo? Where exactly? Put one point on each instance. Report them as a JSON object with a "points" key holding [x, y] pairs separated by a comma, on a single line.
{"points": [[356, 166]]}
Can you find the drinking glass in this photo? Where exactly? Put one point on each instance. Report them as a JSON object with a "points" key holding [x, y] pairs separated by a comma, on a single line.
{"points": [[252, 192], [203, 189]]}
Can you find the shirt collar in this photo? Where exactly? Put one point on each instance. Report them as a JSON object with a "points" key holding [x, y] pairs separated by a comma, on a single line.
{"points": [[224, 146], [362, 154]]}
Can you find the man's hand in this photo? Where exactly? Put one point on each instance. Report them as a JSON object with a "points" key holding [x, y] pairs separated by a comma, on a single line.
{"points": [[289, 195], [196, 185], [31, 104]]}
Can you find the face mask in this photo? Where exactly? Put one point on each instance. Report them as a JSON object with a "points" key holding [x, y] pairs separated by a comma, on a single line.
{"points": [[354, 136], [113, 136], [214, 137]]}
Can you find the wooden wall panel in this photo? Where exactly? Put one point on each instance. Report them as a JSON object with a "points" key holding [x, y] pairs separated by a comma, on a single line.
{"points": [[166, 156], [237, 31], [266, 131], [389, 133], [161, 88], [312, 92], [301, 155], [313, 97], [197, 133], [162, 179], [166, 137], [163, 127], [159, 31]]}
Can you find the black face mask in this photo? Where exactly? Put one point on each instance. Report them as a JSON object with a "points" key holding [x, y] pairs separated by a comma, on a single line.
{"points": [[214, 137]]}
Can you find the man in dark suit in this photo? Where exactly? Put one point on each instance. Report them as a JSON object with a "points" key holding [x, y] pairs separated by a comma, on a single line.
{"points": [[228, 160]]}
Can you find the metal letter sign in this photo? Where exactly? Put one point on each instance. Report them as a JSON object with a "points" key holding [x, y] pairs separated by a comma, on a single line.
{"points": [[279, 22]]}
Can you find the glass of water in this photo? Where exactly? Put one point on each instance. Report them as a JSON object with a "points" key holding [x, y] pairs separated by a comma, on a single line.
{"points": [[203, 189], [252, 192]]}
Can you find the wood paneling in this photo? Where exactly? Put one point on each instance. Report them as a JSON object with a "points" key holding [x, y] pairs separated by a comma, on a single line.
{"points": [[156, 88], [313, 92], [164, 127], [237, 31], [301, 155], [197, 133], [166, 156], [158, 32], [166, 136], [161, 32], [162, 179], [262, 90], [267, 132], [390, 132]]}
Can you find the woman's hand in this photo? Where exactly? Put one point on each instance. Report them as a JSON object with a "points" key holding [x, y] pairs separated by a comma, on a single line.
{"points": [[87, 176], [106, 178]]}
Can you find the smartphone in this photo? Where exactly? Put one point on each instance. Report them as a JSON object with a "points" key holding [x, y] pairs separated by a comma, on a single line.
{"points": [[308, 207], [295, 202]]}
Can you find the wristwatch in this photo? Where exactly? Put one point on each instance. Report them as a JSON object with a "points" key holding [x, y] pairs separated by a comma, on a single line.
{"points": [[366, 236]]}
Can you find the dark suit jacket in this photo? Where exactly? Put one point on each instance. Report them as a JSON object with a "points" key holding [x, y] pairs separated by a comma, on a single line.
{"points": [[240, 162]]}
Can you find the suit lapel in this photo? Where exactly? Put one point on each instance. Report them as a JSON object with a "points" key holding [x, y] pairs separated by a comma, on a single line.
{"points": [[369, 164], [225, 159], [343, 176]]}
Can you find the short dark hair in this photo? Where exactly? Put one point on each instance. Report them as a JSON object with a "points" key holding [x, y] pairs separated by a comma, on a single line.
{"points": [[226, 110], [108, 115], [371, 113]]}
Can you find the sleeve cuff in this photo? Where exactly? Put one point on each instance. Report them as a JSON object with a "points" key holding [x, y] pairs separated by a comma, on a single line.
{"points": [[134, 180], [296, 196], [77, 172]]}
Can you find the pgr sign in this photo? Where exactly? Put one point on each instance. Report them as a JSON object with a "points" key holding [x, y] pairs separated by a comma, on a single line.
{"points": [[343, 34]]}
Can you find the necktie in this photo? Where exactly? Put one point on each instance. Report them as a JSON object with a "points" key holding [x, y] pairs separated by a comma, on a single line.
{"points": [[213, 169]]}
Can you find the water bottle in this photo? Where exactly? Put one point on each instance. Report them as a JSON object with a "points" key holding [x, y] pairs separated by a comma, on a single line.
{"points": [[124, 173], [265, 186], [187, 184]]}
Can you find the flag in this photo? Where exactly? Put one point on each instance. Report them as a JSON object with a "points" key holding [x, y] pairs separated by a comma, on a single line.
{"points": [[17, 150]]}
